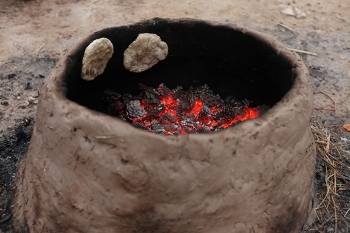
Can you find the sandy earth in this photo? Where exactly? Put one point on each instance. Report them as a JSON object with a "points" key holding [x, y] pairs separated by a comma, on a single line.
{"points": [[35, 34]]}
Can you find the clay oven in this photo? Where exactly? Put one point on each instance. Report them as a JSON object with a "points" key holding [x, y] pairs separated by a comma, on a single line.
{"points": [[86, 171]]}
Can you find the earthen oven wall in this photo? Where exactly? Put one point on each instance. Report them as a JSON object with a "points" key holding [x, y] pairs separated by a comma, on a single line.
{"points": [[88, 172]]}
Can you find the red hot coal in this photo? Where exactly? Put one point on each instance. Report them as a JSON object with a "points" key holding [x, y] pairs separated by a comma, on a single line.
{"points": [[177, 111]]}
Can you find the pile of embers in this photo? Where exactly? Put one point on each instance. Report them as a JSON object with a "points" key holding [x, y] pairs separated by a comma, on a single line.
{"points": [[171, 112]]}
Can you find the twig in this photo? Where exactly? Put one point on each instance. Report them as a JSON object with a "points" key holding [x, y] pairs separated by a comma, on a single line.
{"points": [[335, 216], [327, 146], [327, 191], [37, 51], [302, 51], [341, 18], [335, 179], [5, 218], [329, 109], [335, 182], [334, 168], [321, 142], [286, 27], [3, 209], [327, 220], [346, 212]]}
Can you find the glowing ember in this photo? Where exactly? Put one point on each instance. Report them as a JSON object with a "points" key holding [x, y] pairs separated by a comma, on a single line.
{"points": [[176, 111]]}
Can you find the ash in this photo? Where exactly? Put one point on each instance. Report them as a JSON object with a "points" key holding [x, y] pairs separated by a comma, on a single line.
{"points": [[178, 111]]}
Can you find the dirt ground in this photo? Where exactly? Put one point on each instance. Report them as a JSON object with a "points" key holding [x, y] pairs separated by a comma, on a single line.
{"points": [[34, 34]]}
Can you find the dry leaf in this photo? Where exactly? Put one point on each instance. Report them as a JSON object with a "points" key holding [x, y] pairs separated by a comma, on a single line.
{"points": [[347, 127]]}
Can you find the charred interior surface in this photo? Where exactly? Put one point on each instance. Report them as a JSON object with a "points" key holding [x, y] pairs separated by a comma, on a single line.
{"points": [[229, 61]]}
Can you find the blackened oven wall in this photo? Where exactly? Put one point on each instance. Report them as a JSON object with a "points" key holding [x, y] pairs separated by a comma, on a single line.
{"points": [[228, 60]]}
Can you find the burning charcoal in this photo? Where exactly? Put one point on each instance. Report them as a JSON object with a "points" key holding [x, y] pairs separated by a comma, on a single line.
{"points": [[231, 100], [177, 111], [178, 88], [157, 128], [208, 96], [170, 117], [134, 109], [177, 92], [151, 95], [151, 98], [163, 90], [205, 129], [187, 130], [154, 111], [164, 121], [209, 99], [176, 108], [127, 97], [184, 106], [139, 125], [233, 108], [152, 91], [169, 128], [110, 96], [114, 106], [246, 102], [152, 122], [122, 117], [234, 103], [112, 109], [192, 117], [187, 122], [187, 101], [179, 115], [206, 110], [197, 124], [160, 107], [219, 115]]}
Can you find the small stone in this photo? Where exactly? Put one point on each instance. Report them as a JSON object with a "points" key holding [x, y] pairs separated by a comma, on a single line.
{"points": [[36, 94], [28, 86], [24, 104], [25, 122], [317, 83], [9, 76], [18, 97], [41, 76], [5, 103], [31, 99]]}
